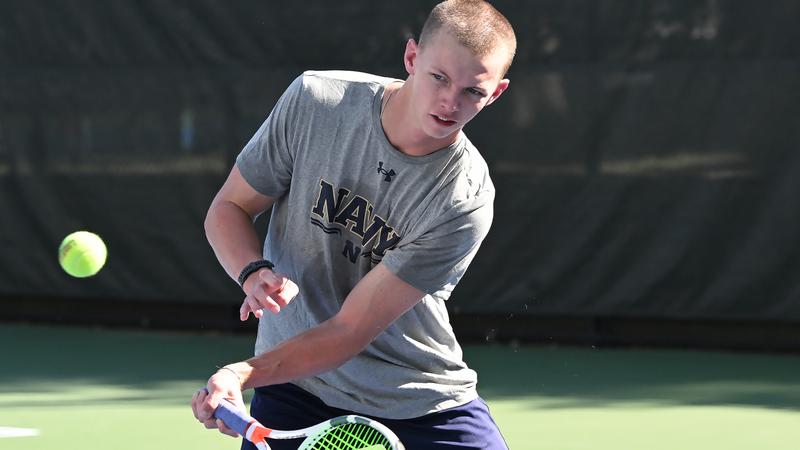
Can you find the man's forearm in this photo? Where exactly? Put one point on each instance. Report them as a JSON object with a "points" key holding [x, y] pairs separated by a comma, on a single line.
{"points": [[229, 230], [312, 352]]}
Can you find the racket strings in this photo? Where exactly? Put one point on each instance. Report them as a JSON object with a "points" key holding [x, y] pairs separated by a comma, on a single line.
{"points": [[351, 436]]}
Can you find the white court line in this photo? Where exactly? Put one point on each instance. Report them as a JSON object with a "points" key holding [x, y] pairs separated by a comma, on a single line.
{"points": [[8, 432]]}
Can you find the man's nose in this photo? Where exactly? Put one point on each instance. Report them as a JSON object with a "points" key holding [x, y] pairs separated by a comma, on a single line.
{"points": [[449, 100]]}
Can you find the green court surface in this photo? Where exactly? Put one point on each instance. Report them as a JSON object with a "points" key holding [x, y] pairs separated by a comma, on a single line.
{"points": [[95, 389]]}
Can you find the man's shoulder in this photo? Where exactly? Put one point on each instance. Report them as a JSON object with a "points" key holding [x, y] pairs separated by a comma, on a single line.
{"points": [[337, 83], [333, 89], [344, 76], [467, 183], [474, 166]]}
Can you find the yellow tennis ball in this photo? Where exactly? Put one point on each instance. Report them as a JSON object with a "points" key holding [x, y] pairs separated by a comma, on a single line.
{"points": [[82, 254]]}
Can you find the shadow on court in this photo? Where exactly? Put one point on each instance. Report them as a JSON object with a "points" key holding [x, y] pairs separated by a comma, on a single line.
{"points": [[571, 377], [53, 367], [96, 366]]}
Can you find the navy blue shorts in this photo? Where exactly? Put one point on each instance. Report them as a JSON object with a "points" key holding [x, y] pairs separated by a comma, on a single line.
{"points": [[287, 407]]}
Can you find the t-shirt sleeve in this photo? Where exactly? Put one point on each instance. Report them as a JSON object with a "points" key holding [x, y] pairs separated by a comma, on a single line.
{"points": [[266, 161], [436, 260]]}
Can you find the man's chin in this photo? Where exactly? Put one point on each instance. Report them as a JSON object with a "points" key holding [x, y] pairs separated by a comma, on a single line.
{"points": [[440, 133]]}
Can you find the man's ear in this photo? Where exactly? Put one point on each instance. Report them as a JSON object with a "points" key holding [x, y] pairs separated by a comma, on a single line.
{"points": [[501, 87], [410, 56]]}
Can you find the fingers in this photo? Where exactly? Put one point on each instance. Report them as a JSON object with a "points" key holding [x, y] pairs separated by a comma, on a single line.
{"points": [[197, 401], [202, 409], [213, 423], [244, 311], [254, 305], [286, 293], [224, 429], [269, 290], [205, 402]]}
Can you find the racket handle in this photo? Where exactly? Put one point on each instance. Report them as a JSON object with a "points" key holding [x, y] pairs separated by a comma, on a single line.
{"points": [[235, 418]]}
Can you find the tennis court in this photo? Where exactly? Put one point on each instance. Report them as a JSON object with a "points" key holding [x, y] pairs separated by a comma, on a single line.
{"points": [[85, 388], [644, 162]]}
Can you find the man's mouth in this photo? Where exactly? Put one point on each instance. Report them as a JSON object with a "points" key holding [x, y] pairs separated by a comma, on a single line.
{"points": [[443, 121]]}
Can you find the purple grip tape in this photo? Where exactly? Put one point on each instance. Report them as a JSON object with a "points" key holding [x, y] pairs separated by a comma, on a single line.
{"points": [[233, 417]]}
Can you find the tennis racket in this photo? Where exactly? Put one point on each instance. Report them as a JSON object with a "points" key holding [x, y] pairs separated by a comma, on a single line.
{"points": [[339, 433]]}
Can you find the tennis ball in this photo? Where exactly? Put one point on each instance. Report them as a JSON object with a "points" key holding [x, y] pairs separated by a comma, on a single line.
{"points": [[82, 254]]}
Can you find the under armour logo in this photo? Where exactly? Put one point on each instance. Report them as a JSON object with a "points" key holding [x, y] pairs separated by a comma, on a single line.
{"points": [[387, 174]]}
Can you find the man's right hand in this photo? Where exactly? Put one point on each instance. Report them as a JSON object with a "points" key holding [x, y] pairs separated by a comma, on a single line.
{"points": [[222, 385], [266, 289]]}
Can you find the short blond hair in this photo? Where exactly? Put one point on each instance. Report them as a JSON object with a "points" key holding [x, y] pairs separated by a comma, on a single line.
{"points": [[475, 24]]}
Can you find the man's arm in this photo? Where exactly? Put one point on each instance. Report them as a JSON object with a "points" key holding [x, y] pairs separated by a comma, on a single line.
{"points": [[373, 304], [229, 229]]}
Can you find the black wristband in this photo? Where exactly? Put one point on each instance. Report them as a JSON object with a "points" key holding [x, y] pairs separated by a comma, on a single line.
{"points": [[252, 267]]}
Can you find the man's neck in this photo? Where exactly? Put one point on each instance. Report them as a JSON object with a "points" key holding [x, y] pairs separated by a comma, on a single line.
{"points": [[401, 127]]}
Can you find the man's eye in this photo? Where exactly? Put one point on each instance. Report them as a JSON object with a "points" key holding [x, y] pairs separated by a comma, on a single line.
{"points": [[475, 92], [437, 77]]}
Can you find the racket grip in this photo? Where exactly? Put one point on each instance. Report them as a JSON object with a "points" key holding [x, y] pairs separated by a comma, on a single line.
{"points": [[235, 418]]}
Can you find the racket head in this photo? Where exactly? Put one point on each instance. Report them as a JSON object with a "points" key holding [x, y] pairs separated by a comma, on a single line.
{"points": [[352, 433]]}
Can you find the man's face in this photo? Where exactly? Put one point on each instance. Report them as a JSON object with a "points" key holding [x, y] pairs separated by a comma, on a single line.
{"points": [[451, 84]]}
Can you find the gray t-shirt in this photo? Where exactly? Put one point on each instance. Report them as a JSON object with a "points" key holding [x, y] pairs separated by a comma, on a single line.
{"points": [[347, 201]]}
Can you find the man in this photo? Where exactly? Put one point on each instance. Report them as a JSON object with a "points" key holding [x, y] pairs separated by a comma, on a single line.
{"points": [[379, 203]]}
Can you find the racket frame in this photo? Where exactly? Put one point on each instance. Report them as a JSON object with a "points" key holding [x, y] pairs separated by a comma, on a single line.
{"points": [[255, 432]]}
